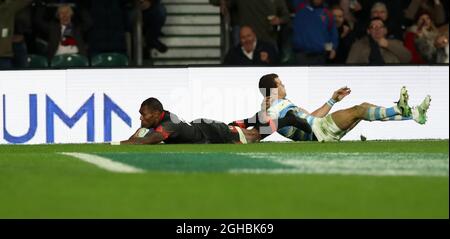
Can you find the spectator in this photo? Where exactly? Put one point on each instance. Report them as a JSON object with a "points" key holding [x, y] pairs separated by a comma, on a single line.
{"points": [[154, 18], [375, 49], [420, 40], [64, 37], [263, 16], [251, 51], [430, 43], [350, 8], [381, 9], [346, 36], [444, 57], [8, 10], [315, 36], [434, 7], [22, 28], [441, 44]]}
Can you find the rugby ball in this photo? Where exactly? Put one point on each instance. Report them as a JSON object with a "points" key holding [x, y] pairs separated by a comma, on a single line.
{"points": [[142, 132]]}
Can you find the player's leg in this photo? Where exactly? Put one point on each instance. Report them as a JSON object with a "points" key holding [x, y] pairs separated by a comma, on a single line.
{"points": [[392, 118], [349, 118], [418, 113], [251, 135], [381, 113]]}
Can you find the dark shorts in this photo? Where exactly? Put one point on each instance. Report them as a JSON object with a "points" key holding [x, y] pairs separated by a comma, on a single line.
{"points": [[216, 132]]}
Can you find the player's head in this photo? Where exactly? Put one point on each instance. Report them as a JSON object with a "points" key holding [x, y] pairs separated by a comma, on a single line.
{"points": [[271, 85], [151, 110]]}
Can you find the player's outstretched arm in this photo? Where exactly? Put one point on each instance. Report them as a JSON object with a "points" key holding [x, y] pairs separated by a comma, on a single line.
{"points": [[136, 134], [338, 95], [245, 123], [151, 138]]}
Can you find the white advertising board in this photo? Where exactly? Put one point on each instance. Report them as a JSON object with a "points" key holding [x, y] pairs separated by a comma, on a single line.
{"points": [[100, 105]]}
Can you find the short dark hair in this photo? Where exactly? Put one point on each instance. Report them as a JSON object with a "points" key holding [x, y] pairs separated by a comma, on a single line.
{"points": [[153, 104], [266, 83]]}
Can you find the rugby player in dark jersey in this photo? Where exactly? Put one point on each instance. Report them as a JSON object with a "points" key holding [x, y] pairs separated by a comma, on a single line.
{"points": [[168, 128]]}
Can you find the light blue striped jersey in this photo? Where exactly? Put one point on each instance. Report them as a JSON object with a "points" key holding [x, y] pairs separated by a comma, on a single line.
{"points": [[279, 109]]}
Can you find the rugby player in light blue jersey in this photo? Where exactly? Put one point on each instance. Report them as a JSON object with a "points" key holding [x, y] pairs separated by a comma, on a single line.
{"points": [[329, 127]]}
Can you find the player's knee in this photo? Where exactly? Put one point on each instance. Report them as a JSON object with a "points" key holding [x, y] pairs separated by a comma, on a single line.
{"points": [[359, 110], [365, 105], [356, 108]]}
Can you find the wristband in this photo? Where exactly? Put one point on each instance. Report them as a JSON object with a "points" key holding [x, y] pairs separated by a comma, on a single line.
{"points": [[331, 102]]}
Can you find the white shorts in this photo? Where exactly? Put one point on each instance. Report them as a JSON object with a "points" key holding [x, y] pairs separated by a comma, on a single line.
{"points": [[326, 129]]}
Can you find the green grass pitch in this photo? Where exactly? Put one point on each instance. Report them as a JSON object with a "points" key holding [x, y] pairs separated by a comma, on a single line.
{"points": [[371, 179]]}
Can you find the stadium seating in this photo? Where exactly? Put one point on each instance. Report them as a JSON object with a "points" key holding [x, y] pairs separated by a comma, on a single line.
{"points": [[109, 60], [37, 61], [69, 60]]}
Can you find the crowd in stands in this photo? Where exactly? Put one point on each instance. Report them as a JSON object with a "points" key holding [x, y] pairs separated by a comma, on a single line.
{"points": [[321, 32], [263, 32], [80, 29]]}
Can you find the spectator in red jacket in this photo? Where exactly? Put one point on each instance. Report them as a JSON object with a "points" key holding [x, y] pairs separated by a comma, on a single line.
{"points": [[424, 40]]}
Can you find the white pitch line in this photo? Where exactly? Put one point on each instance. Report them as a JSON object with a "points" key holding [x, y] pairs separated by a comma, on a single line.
{"points": [[105, 163], [373, 164]]}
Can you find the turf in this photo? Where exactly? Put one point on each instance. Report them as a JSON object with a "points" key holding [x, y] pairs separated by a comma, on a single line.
{"points": [[198, 181]]}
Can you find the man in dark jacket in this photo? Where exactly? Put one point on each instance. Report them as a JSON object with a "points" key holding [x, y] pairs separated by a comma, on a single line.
{"points": [[8, 10], [251, 51], [64, 37]]}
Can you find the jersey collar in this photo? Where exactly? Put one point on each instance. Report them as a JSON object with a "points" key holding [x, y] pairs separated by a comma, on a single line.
{"points": [[162, 116]]}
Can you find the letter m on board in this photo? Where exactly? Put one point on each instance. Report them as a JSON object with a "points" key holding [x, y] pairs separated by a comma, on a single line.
{"points": [[53, 109]]}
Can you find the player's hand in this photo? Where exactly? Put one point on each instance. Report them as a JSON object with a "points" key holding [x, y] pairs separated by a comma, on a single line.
{"points": [[266, 103], [134, 135], [341, 93]]}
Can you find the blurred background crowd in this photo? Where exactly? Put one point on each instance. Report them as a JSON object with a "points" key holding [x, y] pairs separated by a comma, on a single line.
{"points": [[52, 33]]}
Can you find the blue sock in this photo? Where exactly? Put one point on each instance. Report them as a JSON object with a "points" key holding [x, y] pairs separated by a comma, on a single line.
{"points": [[380, 113]]}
